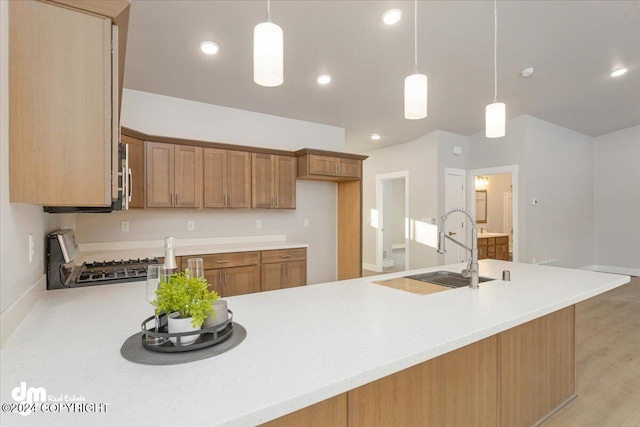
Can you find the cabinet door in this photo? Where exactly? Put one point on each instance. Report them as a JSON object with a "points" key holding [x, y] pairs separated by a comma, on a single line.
{"points": [[502, 252], [323, 165], [240, 280], [350, 168], [60, 107], [214, 279], [239, 179], [272, 275], [482, 252], [295, 274], [159, 173], [136, 165], [188, 177], [262, 188], [285, 182], [215, 178]]}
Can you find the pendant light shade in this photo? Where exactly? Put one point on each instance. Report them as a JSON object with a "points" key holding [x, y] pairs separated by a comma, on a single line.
{"points": [[415, 85], [268, 53], [495, 113], [415, 97], [495, 120]]}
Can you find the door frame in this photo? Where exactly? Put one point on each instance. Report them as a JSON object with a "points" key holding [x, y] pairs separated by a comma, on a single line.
{"points": [[379, 207], [471, 197]]}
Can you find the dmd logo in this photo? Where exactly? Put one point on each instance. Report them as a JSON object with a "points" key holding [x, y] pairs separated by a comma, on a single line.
{"points": [[31, 395]]}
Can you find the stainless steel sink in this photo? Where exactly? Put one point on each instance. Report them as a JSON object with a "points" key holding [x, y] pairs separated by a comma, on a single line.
{"points": [[446, 278]]}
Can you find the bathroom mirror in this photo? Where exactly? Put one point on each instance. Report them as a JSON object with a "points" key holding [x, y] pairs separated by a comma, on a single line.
{"points": [[481, 206]]}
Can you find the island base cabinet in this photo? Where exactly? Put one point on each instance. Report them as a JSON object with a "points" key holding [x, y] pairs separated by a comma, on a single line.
{"points": [[328, 413], [537, 368], [456, 389]]}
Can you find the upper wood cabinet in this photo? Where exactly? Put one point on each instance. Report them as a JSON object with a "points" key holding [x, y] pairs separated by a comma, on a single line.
{"points": [[329, 166], [273, 181], [63, 105], [227, 178], [135, 149], [173, 175]]}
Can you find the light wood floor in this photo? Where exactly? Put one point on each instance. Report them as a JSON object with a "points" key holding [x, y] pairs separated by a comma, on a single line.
{"points": [[608, 361]]}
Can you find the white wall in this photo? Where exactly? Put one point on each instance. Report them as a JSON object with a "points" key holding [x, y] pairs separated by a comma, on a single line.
{"points": [[166, 116], [616, 175], [180, 118], [20, 280], [556, 169], [420, 158]]}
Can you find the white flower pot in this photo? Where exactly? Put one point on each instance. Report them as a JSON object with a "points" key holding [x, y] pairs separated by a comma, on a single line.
{"points": [[176, 324], [220, 314]]}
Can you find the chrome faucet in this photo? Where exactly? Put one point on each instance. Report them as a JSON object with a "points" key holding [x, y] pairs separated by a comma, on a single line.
{"points": [[471, 271]]}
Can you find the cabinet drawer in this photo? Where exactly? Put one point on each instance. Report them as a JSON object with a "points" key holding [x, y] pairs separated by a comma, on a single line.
{"points": [[491, 241], [502, 240], [482, 242], [282, 255], [237, 259]]}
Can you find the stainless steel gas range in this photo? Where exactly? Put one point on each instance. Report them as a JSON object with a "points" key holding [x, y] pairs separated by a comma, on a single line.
{"points": [[62, 273]]}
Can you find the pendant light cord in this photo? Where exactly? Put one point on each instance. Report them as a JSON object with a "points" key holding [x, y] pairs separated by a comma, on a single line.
{"points": [[415, 37], [495, 51], [268, 10]]}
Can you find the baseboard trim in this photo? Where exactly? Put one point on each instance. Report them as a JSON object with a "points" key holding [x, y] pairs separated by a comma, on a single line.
{"points": [[612, 269], [400, 246], [370, 267], [13, 315], [556, 409]]}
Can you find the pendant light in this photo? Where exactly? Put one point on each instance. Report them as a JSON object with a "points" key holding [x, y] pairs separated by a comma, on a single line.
{"points": [[268, 52], [495, 112], [415, 85]]}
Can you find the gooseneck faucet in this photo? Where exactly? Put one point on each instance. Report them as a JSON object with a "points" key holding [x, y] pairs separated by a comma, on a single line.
{"points": [[471, 271]]}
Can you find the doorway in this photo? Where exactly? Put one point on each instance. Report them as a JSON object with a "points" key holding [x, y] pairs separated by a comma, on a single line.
{"points": [[494, 201], [392, 237]]}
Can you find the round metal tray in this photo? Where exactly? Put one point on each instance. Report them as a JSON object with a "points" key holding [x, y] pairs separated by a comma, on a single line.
{"points": [[208, 336]]}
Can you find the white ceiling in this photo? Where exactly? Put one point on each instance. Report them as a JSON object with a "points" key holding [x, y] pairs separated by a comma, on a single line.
{"points": [[573, 46]]}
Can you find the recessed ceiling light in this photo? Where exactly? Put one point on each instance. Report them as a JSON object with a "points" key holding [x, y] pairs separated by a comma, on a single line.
{"points": [[618, 72], [375, 136], [209, 47], [391, 16], [324, 79]]}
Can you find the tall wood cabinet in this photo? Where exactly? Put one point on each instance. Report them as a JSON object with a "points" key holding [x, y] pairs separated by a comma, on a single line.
{"points": [[173, 175], [227, 178], [273, 181], [63, 105]]}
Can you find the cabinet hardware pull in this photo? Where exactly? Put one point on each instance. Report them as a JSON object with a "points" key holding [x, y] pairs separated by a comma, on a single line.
{"points": [[272, 202], [336, 169], [225, 277], [220, 277], [285, 256], [286, 270], [222, 262], [171, 199], [224, 200]]}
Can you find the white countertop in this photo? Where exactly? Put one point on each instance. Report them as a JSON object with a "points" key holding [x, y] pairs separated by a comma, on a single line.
{"points": [[304, 344], [490, 234], [197, 249]]}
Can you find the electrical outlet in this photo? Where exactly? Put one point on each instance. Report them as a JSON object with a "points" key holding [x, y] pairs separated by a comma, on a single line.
{"points": [[258, 223], [306, 222], [124, 226], [32, 249], [190, 226]]}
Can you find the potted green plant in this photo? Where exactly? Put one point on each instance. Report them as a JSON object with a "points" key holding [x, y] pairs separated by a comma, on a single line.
{"points": [[187, 302]]}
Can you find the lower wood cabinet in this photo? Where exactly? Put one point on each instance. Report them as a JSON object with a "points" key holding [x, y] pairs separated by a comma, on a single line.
{"points": [[228, 282], [239, 273], [493, 248]]}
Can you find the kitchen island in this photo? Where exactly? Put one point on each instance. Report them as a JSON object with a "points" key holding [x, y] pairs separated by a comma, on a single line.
{"points": [[332, 348]]}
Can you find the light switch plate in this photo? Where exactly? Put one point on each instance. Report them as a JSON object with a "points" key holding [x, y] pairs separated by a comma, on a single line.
{"points": [[306, 222], [190, 226]]}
